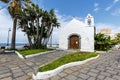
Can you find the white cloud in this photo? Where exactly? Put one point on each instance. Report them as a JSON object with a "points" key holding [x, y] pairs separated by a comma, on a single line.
{"points": [[116, 12], [113, 4], [108, 8], [114, 28], [96, 7], [115, 1], [5, 24], [63, 20]]}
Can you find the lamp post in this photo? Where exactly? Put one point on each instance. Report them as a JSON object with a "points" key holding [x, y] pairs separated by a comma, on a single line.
{"points": [[9, 29], [51, 41]]}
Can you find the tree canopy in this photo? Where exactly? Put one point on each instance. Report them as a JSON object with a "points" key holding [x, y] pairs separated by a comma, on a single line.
{"points": [[37, 23], [104, 42]]}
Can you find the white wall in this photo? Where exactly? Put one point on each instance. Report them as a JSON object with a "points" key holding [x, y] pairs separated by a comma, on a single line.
{"points": [[75, 27]]}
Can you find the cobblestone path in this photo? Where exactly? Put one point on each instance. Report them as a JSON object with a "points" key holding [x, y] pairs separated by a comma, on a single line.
{"points": [[106, 67], [14, 68]]}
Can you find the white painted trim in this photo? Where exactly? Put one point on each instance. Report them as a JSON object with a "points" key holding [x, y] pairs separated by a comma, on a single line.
{"points": [[29, 56], [48, 74], [10, 51], [19, 55]]}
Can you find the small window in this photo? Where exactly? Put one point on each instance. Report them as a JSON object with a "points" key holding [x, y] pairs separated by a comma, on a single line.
{"points": [[89, 21]]}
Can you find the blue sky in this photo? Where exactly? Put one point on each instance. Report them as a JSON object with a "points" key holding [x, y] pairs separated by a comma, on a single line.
{"points": [[105, 12]]}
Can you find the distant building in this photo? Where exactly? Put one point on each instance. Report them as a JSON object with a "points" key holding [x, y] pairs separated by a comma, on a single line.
{"points": [[78, 35], [105, 31], [108, 32]]}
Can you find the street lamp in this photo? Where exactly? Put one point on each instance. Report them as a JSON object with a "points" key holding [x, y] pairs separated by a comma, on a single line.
{"points": [[51, 41], [9, 29]]}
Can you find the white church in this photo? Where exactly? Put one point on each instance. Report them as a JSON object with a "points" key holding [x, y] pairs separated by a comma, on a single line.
{"points": [[78, 35]]}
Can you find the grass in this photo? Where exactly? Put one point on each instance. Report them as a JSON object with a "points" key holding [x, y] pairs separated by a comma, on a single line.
{"points": [[73, 57], [32, 51]]}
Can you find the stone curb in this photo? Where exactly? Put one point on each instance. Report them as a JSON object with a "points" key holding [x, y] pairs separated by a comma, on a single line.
{"points": [[33, 55], [48, 74], [10, 51], [19, 55]]}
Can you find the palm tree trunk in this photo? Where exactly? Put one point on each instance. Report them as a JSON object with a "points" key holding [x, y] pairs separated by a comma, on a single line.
{"points": [[48, 37], [37, 38], [14, 33], [37, 24], [18, 3], [41, 35], [29, 40]]}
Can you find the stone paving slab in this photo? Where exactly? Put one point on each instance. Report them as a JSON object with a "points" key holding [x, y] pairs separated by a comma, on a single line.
{"points": [[14, 68], [106, 67]]}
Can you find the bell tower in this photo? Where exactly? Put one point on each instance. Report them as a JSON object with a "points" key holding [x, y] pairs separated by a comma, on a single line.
{"points": [[89, 20]]}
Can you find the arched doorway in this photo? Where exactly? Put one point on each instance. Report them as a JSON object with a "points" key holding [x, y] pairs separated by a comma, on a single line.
{"points": [[74, 42]]}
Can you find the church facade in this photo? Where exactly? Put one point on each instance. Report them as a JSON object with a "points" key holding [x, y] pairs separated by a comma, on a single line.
{"points": [[78, 35]]}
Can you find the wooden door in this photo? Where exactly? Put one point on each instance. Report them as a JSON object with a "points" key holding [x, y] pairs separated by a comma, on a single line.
{"points": [[74, 42]]}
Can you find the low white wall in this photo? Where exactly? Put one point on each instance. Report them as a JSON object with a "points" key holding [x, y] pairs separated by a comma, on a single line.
{"points": [[19, 55], [29, 56]]}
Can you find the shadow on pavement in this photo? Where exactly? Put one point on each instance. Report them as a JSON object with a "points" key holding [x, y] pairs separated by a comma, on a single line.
{"points": [[6, 53]]}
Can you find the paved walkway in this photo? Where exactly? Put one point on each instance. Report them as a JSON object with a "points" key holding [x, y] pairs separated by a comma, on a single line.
{"points": [[14, 68], [106, 67]]}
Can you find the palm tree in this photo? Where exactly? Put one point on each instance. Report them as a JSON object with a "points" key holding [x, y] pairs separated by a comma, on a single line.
{"points": [[29, 22], [37, 15], [14, 9], [37, 24], [51, 23], [27, 19], [5, 1], [23, 22]]}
